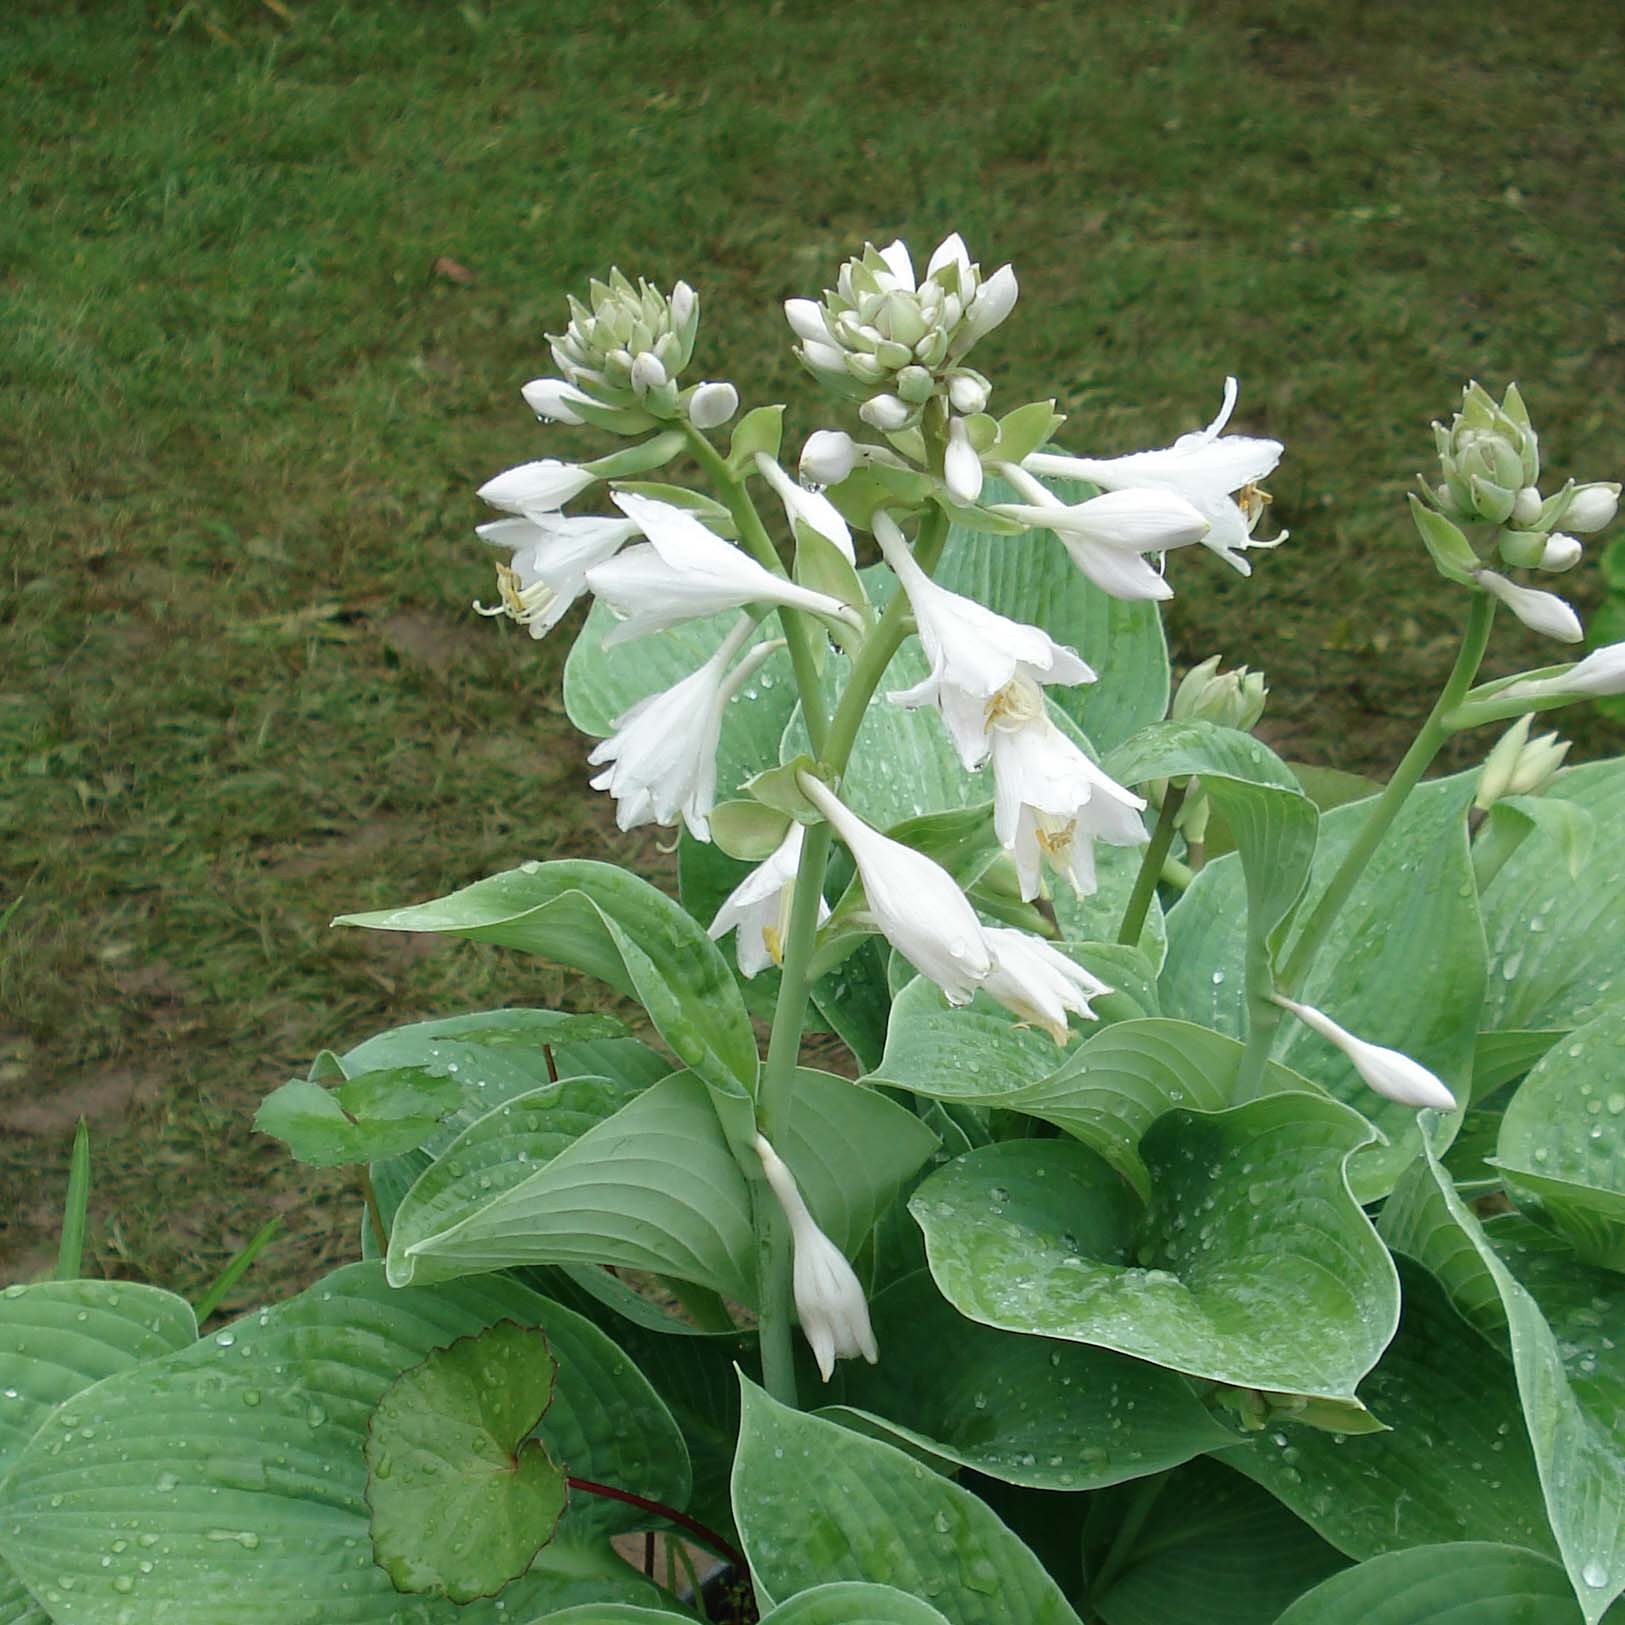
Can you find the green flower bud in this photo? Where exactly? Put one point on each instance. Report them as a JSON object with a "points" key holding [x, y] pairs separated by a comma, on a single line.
{"points": [[1232, 699], [1490, 459], [627, 346], [1519, 765]]}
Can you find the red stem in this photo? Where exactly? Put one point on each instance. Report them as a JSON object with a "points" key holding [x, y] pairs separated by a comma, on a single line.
{"points": [[708, 1536]]}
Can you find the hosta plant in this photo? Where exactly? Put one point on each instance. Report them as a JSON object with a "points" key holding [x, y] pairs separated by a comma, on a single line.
{"points": [[1053, 1160]]}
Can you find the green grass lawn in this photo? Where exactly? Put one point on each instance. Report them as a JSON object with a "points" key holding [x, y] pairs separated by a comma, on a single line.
{"points": [[244, 414]]}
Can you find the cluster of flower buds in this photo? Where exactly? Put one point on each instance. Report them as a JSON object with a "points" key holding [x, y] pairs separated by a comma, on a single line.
{"points": [[893, 343], [1228, 699], [1489, 459], [1519, 765], [622, 356]]}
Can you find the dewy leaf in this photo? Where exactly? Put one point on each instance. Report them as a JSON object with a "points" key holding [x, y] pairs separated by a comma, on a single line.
{"points": [[1467, 1583], [1571, 1378], [224, 1484], [377, 1115], [462, 1496], [1556, 943], [1562, 1142], [854, 1602], [815, 1502], [1455, 1464], [1271, 820], [599, 919], [1252, 1264], [1059, 1416], [1212, 1548], [1403, 966]]}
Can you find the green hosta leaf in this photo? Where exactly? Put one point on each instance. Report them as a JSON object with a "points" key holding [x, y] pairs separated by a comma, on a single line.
{"points": [[1562, 1138], [854, 1602], [1500, 1057], [815, 1502], [530, 1030], [656, 1187], [1569, 829], [601, 920], [1107, 1092], [17, 1604], [59, 1337], [853, 999], [1271, 820], [602, 684], [1252, 1264], [1059, 1416], [462, 1496], [224, 1484], [377, 1115], [1211, 1548], [1468, 1583], [1455, 1464], [1032, 579], [497, 1152], [1566, 1326], [1557, 943], [1404, 965]]}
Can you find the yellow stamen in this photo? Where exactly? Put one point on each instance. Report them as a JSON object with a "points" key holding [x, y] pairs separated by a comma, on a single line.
{"points": [[1253, 499]]}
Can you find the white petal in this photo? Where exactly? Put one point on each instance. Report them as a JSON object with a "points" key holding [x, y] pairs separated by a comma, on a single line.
{"points": [[1038, 982], [1602, 672], [899, 264], [806, 319], [539, 487], [1542, 612], [950, 251], [553, 399], [711, 405], [828, 457], [812, 508]]}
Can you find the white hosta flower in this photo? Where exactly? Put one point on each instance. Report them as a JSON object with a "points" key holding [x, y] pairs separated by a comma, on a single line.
{"points": [[828, 457], [1038, 982], [811, 508], [553, 399], [1050, 802], [686, 572], [1388, 1071], [1601, 673], [914, 902], [534, 489], [1217, 473], [711, 405], [1106, 535], [663, 754], [829, 1298], [962, 467], [551, 558], [1542, 612], [973, 652], [759, 907]]}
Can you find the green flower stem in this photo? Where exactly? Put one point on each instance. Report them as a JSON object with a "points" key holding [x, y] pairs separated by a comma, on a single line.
{"points": [[798, 632], [1151, 863], [776, 1092], [1412, 766]]}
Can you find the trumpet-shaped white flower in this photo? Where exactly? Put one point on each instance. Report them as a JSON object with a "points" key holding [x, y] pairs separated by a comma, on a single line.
{"points": [[1050, 802], [555, 400], [811, 508], [1038, 982], [551, 558], [663, 754], [914, 902], [829, 1297], [535, 489], [973, 652], [1217, 473], [1388, 1071], [686, 572], [1542, 612], [759, 907], [1106, 535], [1602, 672]]}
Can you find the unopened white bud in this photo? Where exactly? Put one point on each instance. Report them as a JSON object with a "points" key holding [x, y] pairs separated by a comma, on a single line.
{"points": [[806, 319], [822, 356], [711, 405], [1388, 1071], [1560, 553], [683, 303], [1542, 612], [1519, 765], [962, 468], [1526, 507], [886, 413], [829, 1297], [1600, 674], [553, 399], [1592, 507], [827, 458], [647, 372], [968, 391]]}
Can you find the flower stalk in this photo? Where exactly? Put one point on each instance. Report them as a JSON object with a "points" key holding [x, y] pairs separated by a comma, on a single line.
{"points": [[1152, 864]]}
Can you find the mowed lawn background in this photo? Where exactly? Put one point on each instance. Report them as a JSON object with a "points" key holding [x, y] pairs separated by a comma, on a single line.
{"points": [[272, 274]]}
